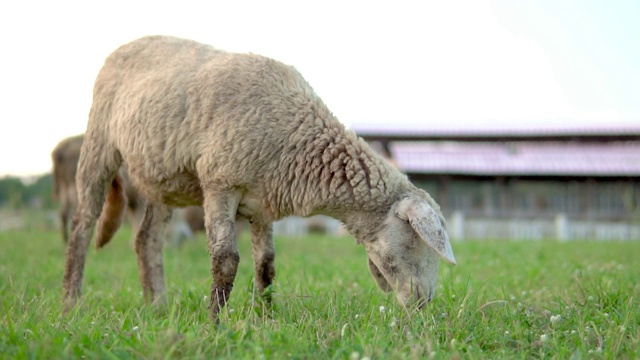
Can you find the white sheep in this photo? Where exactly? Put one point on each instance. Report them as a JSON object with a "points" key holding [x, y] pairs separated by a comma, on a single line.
{"points": [[244, 136]]}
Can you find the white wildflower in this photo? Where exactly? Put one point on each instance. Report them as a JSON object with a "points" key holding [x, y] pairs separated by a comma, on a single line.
{"points": [[382, 309], [354, 356], [544, 337], [205, 298], [393, 322], [344, 329], [555, 318], [590, 298], [357, 316], [135, 328], [366, 358], [506, 332]]}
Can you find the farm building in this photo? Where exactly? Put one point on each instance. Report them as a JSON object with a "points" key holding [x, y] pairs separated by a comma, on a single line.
{"points": [[524, 183]]}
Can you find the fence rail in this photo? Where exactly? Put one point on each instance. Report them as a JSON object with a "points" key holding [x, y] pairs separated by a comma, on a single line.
{"points": [[561, 227]]}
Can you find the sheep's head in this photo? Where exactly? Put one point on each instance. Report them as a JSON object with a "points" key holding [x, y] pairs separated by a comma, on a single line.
{"points": [[405, 252]]}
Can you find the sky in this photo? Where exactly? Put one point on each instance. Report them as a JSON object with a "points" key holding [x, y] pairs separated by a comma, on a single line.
{"points": [[425, 63]]}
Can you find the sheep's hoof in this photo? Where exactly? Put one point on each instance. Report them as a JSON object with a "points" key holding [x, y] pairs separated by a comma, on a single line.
{"points": [[68, 304], [267, 294], [263, 304]]}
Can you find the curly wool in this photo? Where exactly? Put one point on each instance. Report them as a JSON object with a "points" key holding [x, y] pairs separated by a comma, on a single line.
{"points": [[185, 116]]}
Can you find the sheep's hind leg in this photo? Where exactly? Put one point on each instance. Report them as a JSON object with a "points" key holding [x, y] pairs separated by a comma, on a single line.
{"points": [[94, 177], [148, 243], [220, 218], [263, 257]]}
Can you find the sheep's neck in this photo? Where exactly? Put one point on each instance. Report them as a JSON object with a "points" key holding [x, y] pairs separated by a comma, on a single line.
{"points": [[336, 173]]}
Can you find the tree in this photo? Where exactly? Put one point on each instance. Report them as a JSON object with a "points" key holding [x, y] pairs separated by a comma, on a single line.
{"points": [[12, 191], [15, 193], [39, 192]]}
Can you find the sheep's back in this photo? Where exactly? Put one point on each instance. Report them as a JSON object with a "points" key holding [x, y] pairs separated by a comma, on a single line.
{"points": [[175, 109]]}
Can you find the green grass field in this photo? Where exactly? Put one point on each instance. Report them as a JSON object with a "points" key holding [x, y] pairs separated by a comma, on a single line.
{"points": [[503, 300]]}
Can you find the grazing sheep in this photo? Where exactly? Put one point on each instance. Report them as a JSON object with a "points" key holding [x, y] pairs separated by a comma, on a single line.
{"points": [[65, 158], [194, 217], [65, 162], [244, 136]]}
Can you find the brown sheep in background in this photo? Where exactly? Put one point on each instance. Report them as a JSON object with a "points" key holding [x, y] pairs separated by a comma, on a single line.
{"points": [[194, 218], [65, 158], [65, 162]]}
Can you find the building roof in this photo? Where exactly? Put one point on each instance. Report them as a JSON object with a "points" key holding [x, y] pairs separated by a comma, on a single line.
{"points": [[512, 132], [518, 158]]}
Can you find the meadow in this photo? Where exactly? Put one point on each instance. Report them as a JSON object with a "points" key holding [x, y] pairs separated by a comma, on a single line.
{"points": [[515, 300]]}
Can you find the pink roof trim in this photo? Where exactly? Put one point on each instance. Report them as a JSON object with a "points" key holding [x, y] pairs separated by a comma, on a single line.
{"points": [[525, 158], [496, 130]]}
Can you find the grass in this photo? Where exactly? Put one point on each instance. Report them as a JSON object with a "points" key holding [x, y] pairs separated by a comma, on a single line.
{"points": [[503, 300]]}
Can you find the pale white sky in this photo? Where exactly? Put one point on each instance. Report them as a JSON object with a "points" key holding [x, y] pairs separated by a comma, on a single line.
{"points": [[423, 62]]}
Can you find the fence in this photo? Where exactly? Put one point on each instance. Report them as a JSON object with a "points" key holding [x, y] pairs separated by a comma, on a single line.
{"points": [[559, 227], [460, 227]]}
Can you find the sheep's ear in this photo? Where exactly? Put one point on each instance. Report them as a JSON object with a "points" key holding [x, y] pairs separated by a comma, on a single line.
{"points": [[426, 223]]}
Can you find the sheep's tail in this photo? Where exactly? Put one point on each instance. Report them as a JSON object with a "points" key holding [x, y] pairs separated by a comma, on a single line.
{"points": [[112, 212]]}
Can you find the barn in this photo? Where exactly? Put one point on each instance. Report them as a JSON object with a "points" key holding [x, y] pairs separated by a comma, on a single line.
{"points": [[559, 182]]}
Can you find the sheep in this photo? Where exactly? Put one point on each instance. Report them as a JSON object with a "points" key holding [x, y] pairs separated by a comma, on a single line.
{"points": [[65, 161], [194, 217], [244, 136], [65, 157]]}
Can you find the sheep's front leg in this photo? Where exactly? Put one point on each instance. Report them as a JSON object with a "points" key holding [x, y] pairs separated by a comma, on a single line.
{"points": [[149, 241], [263, 256], [220, 218]]}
